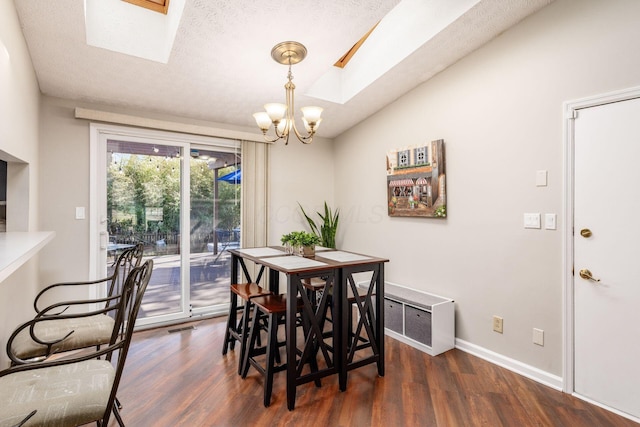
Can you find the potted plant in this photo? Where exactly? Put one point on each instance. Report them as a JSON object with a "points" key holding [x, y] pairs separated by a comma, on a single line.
{"points": [[326, 230], [287, 242], [303, 243]]}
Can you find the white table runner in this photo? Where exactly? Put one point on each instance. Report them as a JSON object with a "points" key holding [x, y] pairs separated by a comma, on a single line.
{"points": [[342, 256], [293, 262], [260, 252]]}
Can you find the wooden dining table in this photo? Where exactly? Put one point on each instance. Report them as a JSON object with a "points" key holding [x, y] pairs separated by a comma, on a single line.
{"points": [[336, 268]]}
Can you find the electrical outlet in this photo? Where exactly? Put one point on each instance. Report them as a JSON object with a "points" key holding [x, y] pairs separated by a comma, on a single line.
{"points": [[538, 336], [497, 324]]}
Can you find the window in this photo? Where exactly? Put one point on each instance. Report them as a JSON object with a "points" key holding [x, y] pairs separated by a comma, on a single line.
{"points": [[403, 158], [421, 155]]}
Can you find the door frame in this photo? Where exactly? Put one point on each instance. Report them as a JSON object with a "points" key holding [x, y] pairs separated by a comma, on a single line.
{"points": [[570, 112], [97, 180]]}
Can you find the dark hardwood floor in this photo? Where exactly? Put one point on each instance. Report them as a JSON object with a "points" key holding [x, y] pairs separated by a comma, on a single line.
{"points": [[182, 379]]}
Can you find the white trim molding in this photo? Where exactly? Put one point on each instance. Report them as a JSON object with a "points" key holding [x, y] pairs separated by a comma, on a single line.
{"points": [[125, 119], [513, 365]]}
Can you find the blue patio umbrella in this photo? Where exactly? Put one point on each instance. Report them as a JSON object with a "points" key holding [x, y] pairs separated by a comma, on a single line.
{"points": [[234, 177]]}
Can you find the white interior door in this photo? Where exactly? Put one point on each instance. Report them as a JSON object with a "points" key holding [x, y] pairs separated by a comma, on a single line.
{"points": [[607, 204]]}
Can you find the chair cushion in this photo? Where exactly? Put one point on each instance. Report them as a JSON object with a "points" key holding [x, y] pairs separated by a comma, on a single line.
{"points": [[66, 395], [88, 332]]}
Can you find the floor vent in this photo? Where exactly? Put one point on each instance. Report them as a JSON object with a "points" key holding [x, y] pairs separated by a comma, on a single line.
{"points": [[186, 328]]}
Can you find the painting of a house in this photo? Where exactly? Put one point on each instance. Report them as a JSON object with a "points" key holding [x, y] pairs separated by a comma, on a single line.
{"points": [[416, 181]]}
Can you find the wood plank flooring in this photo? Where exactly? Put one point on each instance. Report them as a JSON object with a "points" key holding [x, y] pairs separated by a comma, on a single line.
{"points": [[182, 379]]}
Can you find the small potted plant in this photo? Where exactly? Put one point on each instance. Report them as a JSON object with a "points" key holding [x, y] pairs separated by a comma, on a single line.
{"points": [[304, 243], [287, 242]]}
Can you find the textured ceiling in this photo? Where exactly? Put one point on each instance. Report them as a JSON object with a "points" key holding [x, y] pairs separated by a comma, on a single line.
{"points": [[220, 68]]}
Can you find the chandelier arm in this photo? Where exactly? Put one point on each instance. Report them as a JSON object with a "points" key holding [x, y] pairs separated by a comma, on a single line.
{"points": [[302, 138], [267, 139], [291, 124]]}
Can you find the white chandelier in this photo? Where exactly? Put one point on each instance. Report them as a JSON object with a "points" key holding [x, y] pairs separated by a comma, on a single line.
{"points": [[282, 115]]}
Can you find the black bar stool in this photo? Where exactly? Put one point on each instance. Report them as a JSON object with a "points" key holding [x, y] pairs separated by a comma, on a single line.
{"points": [[274, 308], [235, 329]]}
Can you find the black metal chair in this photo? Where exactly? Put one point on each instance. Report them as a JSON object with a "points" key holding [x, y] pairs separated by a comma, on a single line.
{"points": [[128, 259], [78, 389], [52, 331]]}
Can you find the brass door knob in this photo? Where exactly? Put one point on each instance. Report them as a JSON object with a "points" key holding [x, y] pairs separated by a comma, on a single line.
{"points": [[585, 232], [586, 274]]}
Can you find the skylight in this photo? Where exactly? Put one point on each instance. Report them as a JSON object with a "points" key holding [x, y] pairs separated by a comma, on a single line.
{"points": [[344, 60], [123, 27], [407, 27], [161, 6]]}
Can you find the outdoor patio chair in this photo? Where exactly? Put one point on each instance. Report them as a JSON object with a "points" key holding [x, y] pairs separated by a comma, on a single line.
{"points": [[51, 331], [80, 389]]}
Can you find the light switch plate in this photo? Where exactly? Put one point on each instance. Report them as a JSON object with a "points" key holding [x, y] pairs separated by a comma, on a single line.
{"points": [[538, 336], [80, 212], [550, 221], [541, 178], [531, 220]]}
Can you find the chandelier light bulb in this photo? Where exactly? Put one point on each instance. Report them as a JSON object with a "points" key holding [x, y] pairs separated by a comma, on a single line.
{"points": [[307, 125], [276, 111], [263, 120], [311, 114], [282, 125]]}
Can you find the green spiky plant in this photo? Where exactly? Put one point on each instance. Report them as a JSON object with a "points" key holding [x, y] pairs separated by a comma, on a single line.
{"points": [[327, 229]]}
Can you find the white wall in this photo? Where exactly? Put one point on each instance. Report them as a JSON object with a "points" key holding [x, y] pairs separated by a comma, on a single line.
{"points": [[19, 101], [298, 174], [499, 111]]}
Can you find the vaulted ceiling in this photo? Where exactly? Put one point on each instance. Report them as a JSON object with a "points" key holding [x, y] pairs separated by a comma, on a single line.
{"points": [[219, 66]]}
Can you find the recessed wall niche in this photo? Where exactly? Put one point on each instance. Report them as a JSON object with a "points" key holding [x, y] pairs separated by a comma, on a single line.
{"points": [[14, 193], [3, 196]]}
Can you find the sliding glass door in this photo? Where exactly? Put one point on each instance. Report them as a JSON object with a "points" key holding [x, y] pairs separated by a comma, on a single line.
{"points": [[214, 224], [180, 197]]}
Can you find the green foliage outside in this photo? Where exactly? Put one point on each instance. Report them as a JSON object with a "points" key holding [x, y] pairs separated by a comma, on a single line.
{"points": [[137, 183]]}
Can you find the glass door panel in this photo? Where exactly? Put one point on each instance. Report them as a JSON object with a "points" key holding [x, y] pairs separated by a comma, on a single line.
{"points": [[150, 183], [144, 206], [215, 224]]}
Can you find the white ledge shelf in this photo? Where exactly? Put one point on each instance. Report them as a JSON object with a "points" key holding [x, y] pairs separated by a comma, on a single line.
{"points": [[16, 248]]}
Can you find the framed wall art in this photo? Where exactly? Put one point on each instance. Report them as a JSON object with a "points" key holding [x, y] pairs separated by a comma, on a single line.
{"points": [[416, 181]]}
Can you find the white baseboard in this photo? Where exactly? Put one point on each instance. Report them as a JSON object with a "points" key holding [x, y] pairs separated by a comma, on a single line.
{"points": [[608, 408], [516, 366]]}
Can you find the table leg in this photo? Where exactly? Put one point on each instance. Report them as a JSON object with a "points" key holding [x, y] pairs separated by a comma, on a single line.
{"points": [[380, 319], [292, 291], [274, 281], [341, 330], [234, 268]]}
